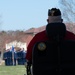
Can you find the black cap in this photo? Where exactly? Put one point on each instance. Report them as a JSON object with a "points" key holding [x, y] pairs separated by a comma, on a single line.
{"points": [[54, 12]]}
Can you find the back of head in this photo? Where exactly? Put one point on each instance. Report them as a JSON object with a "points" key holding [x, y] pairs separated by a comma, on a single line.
{"points": [[54, 12], [55, 28], [54, 15]]}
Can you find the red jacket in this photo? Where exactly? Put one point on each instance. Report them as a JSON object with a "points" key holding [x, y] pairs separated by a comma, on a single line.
{"points": [[43, 37]]}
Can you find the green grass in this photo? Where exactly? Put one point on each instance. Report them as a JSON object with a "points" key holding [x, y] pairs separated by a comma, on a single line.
{"points": [[12, 70]]}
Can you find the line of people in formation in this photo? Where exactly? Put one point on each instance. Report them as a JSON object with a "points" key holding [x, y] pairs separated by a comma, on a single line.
{"points": [[14, 58]]}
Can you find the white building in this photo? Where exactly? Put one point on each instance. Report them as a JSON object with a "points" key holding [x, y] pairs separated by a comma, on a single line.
{"points": [[16, 44]]}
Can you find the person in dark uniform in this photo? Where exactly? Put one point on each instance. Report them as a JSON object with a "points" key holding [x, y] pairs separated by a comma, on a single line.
{"points": [[54, 16]]}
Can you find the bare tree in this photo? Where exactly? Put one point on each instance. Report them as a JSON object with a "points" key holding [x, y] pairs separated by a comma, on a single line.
{"points": [[68, 10], [68, 13]]}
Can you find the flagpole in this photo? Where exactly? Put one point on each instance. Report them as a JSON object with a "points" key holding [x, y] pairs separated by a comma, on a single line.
{"points": [[13, 55]]}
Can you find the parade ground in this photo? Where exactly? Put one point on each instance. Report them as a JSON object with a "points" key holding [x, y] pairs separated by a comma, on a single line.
{"points": [[12, 70]]}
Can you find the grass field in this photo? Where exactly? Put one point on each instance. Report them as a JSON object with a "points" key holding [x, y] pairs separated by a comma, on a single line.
{"points": [[12, 70]]}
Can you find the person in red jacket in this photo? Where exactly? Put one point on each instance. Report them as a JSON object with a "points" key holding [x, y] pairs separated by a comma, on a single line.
{"points": [[54, 15]]}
